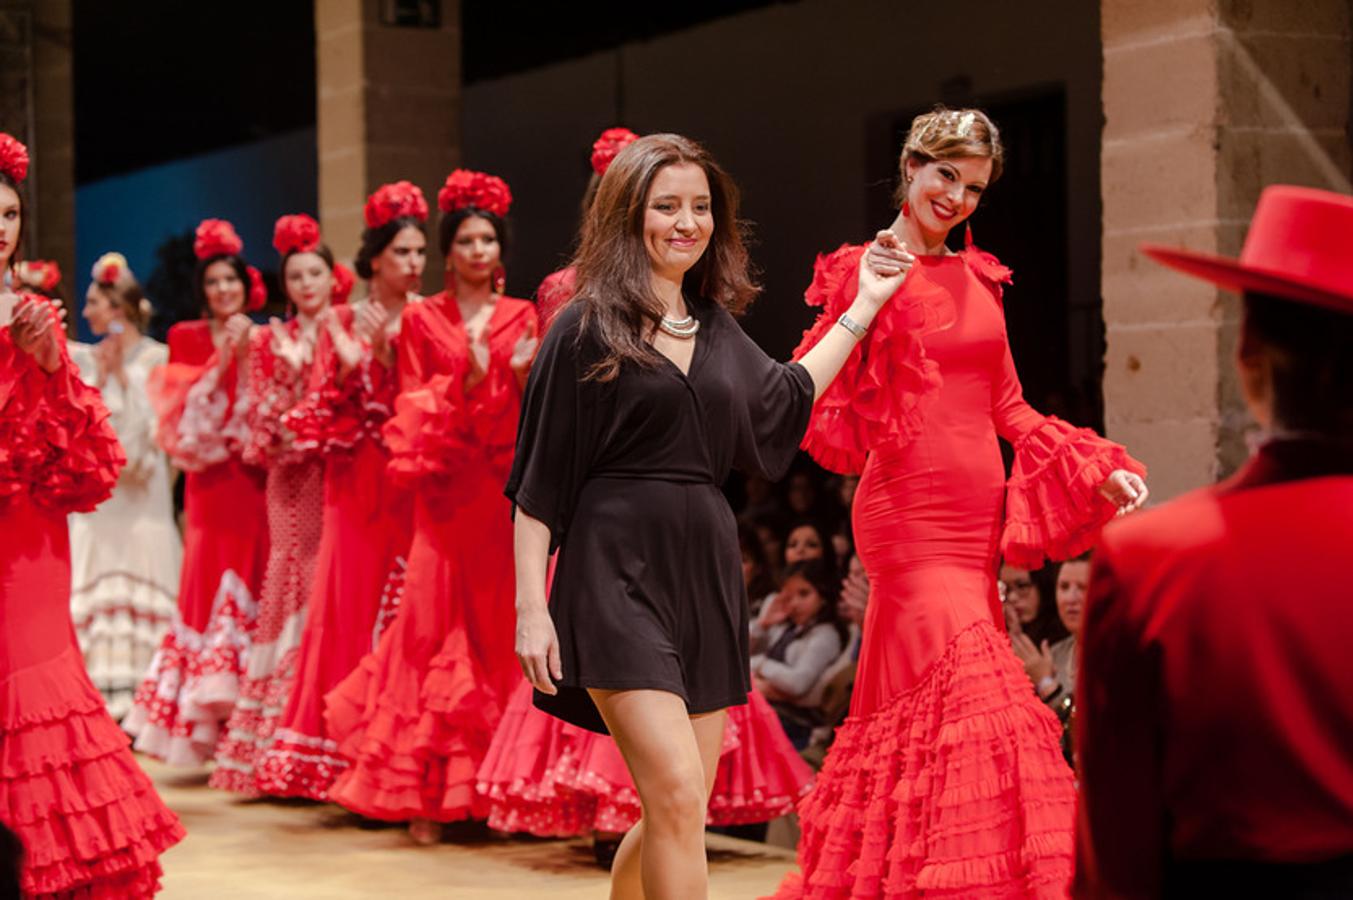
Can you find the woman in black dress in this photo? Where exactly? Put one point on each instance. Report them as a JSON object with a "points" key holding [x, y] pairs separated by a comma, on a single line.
{"points": [[646, 394]]}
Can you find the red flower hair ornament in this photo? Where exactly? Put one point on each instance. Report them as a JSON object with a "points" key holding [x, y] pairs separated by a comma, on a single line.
{"points": [[216, 237], [400, 200], [109, 268], [295, 234], [465, 188], [344, 281], [13, 158], [40, 274], [258, 291], [608, 146]]}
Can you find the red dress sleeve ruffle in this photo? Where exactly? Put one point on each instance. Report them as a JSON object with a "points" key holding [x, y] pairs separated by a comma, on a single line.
{"points": [[200, 414], [274, 389], [887, 384], [437, 428], [339, 411], [1054, 509], [56, 442]]}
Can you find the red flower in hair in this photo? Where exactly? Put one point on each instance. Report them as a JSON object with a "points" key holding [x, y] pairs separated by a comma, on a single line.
{"points": [[110, 273], [344, 281], [400, 200], [482, 191], [216, 237], [295, 234], [258, 291], [606, 147], [13, 157], [40, 274], [109, 268]]}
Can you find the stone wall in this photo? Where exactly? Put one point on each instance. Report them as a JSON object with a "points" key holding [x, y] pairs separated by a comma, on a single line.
{"points": [[1205, 102]]}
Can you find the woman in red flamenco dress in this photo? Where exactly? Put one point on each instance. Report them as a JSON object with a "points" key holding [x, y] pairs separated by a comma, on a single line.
{"points": [[194, 677], [416, 717], [367, 518], [946, 780], [549, 778], [89, 819], [281, 357]]}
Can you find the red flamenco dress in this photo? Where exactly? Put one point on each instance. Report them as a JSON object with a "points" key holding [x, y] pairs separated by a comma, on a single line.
{"points": [[548, 778], [295, 499], [947, 779], [194, 678], [365, 539], [89, 819], [416, 717]]}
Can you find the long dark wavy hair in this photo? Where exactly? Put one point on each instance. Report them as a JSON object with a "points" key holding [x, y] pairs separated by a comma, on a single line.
{"points": [[615, 276]]}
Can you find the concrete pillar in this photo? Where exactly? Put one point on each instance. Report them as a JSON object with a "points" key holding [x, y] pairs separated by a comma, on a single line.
{"points": [[1205, 102], [389, 109]]}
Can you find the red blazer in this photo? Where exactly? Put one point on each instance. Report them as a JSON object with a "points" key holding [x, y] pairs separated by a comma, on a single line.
{"points": [[1215, 693]]}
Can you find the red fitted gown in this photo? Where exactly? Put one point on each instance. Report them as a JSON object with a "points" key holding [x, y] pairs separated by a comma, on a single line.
{"points": [[193, 680], [416, 717], [90, 821], [364, 541], [946, 780]]}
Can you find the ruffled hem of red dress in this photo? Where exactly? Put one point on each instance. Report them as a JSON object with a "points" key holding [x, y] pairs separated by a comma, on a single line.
{"points": [[299, 765], [882, 394], [761, 776], [413, 742], [1054, 509], [56, 443], [955, 789], [194, 681], [88, 817]]}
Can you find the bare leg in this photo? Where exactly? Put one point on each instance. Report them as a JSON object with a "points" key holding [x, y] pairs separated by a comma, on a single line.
{"points": [[672, 759]]}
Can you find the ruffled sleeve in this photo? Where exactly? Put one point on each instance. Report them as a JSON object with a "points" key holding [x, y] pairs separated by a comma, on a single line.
{"points": [[1053, 505], [339, 411], [130, 411], [55, 439], [201, 415], [887, 384], [273, 389]]}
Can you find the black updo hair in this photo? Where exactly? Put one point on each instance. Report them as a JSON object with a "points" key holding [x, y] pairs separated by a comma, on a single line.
{"points": [[450, 224], [23, 218], [1312, 365], [200, 276], [375, 240]]}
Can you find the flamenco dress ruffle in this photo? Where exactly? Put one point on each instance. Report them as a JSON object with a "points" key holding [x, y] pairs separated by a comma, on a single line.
{"points": [[545, 777], [89, 819], [362, 548], [194, 678], [416, 717], [295, 496], [946, 780]]}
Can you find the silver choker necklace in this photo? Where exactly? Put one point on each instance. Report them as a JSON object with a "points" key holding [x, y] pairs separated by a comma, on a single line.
{"points": [[684, 329]]}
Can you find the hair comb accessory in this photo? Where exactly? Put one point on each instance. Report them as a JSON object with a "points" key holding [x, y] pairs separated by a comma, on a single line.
{"points": [[965, 123]]}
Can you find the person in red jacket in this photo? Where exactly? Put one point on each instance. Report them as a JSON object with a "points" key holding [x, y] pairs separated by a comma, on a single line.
{"points": [[1215, 696]]}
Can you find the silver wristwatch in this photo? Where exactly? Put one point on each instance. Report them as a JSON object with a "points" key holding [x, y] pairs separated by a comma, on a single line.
{"points": [[852, 326]]}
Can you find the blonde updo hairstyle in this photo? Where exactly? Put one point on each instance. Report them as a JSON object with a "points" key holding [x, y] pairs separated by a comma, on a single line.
{"points": [[945, 133], [123, 291]]}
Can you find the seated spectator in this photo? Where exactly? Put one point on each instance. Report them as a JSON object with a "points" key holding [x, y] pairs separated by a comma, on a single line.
{"points": [[795, 639], [1026, 611], [757, 575], [807, 540], [1052, 668]]}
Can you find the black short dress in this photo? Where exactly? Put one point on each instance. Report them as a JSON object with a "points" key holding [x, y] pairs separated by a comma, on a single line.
{"points": [[647, 589]]}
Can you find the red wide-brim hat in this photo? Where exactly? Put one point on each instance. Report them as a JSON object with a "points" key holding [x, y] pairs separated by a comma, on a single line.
{"points": [[1298, 247]]}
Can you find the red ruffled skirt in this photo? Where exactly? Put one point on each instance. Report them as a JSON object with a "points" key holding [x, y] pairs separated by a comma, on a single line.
{"points": [[548, 778], [366, 535], [416, 717], [295, 512], [194, 677], [956, 788], [90, 820]]}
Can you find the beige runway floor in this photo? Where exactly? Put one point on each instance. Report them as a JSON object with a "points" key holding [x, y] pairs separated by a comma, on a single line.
{"points": [[266, 850]]}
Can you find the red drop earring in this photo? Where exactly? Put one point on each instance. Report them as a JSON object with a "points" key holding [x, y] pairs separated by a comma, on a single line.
{"points": [[906, 209]]}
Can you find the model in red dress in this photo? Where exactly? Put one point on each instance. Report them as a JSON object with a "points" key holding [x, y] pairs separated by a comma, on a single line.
{"points": [[281, 356], [193, 680], [365, 534], [416, 717], [89, 819], [947, 778]]}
